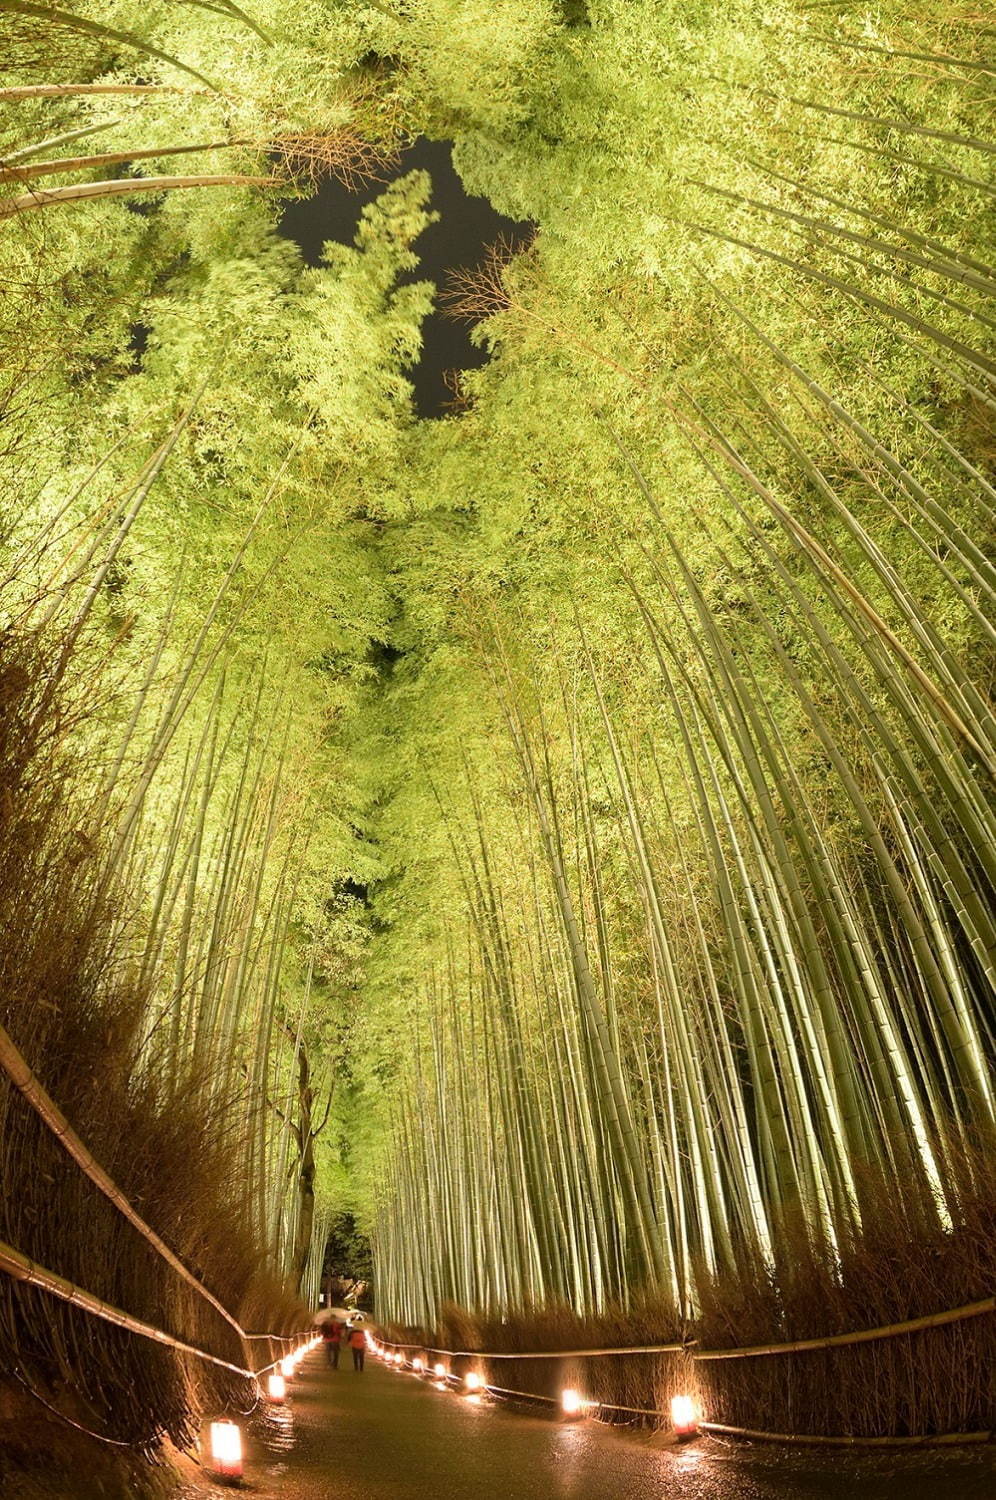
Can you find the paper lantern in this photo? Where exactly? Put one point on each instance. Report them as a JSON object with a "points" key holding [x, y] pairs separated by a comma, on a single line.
{"points": [[226, 1450], [571, 1402], [683, 1416]]}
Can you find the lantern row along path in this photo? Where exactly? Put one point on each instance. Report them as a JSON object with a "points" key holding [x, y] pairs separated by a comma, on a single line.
{"points": [[387, 1435]]}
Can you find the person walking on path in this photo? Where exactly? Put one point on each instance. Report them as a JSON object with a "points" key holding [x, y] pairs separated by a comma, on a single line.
{"points": [[358, 1344], [332, 1336]]}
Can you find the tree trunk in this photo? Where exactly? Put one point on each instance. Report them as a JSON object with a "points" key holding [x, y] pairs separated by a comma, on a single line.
{"points": [[304, 1231]]}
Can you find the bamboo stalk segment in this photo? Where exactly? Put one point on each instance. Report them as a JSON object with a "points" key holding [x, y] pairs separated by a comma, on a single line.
{"points": [[119, 187]]}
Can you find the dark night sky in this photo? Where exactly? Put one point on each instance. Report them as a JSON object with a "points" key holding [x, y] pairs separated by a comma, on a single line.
{"points": [[466, 227]]}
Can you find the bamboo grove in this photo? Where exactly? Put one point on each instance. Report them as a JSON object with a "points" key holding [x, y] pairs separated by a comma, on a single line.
{"points": [[155, 844], [561, 832]]}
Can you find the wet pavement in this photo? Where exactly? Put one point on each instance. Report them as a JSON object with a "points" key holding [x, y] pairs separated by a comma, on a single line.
{"points": [[387, 1435]]}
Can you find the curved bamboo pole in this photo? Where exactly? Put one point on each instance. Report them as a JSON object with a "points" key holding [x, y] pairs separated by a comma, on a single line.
{"points": [[20, 1268], [74, 22], [106, 159], [122, 186]]}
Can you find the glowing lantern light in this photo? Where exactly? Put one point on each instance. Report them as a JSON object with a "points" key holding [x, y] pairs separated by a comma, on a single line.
{"points": [[288, 1366], [683, 1416], [276, 1388], [418, 1363], [472, 1381], [571, 1403], [226, 1450], [399, 1359], [439, 1370]]}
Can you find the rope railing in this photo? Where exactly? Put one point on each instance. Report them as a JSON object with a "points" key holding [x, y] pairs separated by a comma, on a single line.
{"points": [[22, 1269], [541, 1353], [29, 1086], [912, 1325], [14, 1064], [828, 1341], [841, 1440], [29, 1272], [863, 1336]]}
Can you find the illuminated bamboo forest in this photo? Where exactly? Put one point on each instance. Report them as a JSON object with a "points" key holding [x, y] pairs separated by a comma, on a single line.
{"points": [[559, 831]]}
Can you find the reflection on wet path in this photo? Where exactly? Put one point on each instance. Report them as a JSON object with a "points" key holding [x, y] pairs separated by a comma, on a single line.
{"points": [[275, 1436], [388, 1435]]}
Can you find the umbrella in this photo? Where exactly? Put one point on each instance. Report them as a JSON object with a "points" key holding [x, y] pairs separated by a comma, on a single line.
{"points": [[326, 1315]]}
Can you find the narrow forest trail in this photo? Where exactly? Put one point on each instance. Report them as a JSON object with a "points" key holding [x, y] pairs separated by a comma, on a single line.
{"points": [[384, 1434]]}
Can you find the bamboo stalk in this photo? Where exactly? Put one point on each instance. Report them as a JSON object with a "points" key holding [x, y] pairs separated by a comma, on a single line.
{"points": [[109, 158], [74, 22], [119, 186]]}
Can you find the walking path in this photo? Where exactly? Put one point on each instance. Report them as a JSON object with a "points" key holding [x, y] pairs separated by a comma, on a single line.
{"points": [[386, 1435]]}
